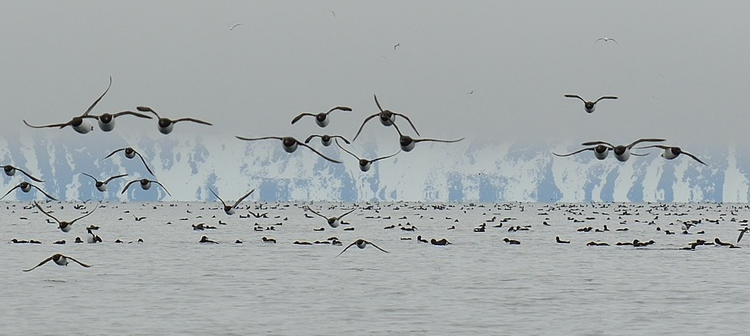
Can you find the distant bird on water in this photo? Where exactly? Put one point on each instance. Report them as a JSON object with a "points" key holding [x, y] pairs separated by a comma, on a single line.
{"points": [[589, 106], [26, 187], [361, 243], [606, 39], [78, 123], [166, 125], [321, 118], [290, 145], [59, 259], [10, 171], [131, 153], [387, 118]]}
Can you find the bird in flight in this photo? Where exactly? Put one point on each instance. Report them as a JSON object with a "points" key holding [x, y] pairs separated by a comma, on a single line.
{"points": [[396, 46], [361, 243], [606, 39], [59, 259], [235, 26]]}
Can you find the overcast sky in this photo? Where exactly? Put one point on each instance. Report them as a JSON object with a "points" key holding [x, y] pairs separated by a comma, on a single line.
{"points": [[681, 68]]}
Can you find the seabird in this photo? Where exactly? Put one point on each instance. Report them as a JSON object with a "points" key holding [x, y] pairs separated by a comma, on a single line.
{"points": [[590, 106], [229, 209], [600, 152], [671, 152], [361, 243], [387, 118], [165, 124], [59, 259], [622, 153], [102, 185], [407, 143], [145, 185], [364, 164], [290, 145], [606, 39], [131, 153], [78, 123], [334, 222], [106, 121], [321, 118], [26, 187], [326, 139], [63, 225], [10, 171]]}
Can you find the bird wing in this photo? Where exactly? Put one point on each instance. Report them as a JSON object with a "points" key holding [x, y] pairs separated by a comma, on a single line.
{"points": [[9, 191], [40, 264], [377, 103], [242, 198], [163, 187], [310, 137], [385, 157], [407, 119], [340, 108], [114, 177], [637, 154], [364, 122], [595, 143], [144, 163], [98, 99], [694, 157], [342, 138], [348, 212], [315, 212], [113, 153], [377, 247], [653, 146], [43, 192], [575, 96], [140, 115], [437, 140], [574, 153], [346, 248], [94, 178], [644, 140], [193, 120], [28, 175], [79, 263], [128, 186], [742, 233], [84, 216], [46, 213], [260, 138], [344, 149], [147, 109], [46, 126], [604, 97], [297, 118], [217, 196], [316, 152]]}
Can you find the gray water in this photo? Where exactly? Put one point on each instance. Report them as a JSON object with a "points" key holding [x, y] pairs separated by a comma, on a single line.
{"points": [[173, 285]]}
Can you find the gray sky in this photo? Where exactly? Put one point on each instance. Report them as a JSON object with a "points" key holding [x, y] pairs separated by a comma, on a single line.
{"points": [[680, 68]]}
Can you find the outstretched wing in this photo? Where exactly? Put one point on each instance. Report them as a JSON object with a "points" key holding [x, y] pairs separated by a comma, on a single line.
{"points": [[145, 164], [217, 196], [113, 153], [128, 186], [596, 143], [297, 118], [344, 149], [260, 138], [575, 96], [574, 153], [377, 247], [11, 190], [98, 99], [242, 199], [140, 115], [605, 97], [114, 177], [79, 263], [193, 120], [437, 140], [407, 119], [94, 178], [163, 187], [46, 213], [40, 264], [644, 140], [366, 120], [315, 212], [319, 153], [348, 212], [346, 248], [342, 138], [385, 157], [340, 108], [147, 109], [28, 175], [43, 192], [694, 157], [46, 126], [84, 216]]}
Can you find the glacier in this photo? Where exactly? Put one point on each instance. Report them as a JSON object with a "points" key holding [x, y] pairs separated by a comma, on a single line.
{"points": [[474, 170]]}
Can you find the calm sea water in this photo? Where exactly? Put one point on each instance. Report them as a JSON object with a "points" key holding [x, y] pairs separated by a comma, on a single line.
{"points": [[173, 285]]}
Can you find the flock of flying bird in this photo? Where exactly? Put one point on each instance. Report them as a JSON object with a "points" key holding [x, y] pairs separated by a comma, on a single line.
{"points": [[107, 121]]}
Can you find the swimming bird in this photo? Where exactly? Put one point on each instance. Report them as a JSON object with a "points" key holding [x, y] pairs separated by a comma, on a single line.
{"points": [[63, 225], [102, 185], [10, 171], [407, 143], [106, 121], [600, 152], [78, 123], [589, 106], [145, 185], [742, 233], [387, 118], [229, 209], [26, 187], [440, 242], [511, 241], [166, 125], [606, 39], [205, 240], [131, 153], [290, 145], [364, 164], [59, 259], [326, 139], [560, 241], [321, 118], [361, 243], [672, 152], [622, 153], [333, 221]]}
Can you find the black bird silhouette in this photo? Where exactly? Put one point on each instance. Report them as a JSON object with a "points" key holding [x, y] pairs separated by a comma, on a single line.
{"points": [[387, 118], [321, 118], [166, 125], [589, 106]]}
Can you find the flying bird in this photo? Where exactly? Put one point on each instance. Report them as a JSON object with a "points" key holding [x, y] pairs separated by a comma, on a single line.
{"points": [[361, 243], [334, 222], [326, 139], [78, 123], [365, 164], [321, 118], [102, 185], [290, 145], [63, 225], [606, 39], [396, 46], [166, 125], [387, 118], [589, 106], [26, 187], [131, 153], [742, 233], [235, 26], [622, 153], [600, 152], [671, 152], [145, 185], [59, 259], [407, 143], [10, 171], [106, 121], [229, 209]]}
